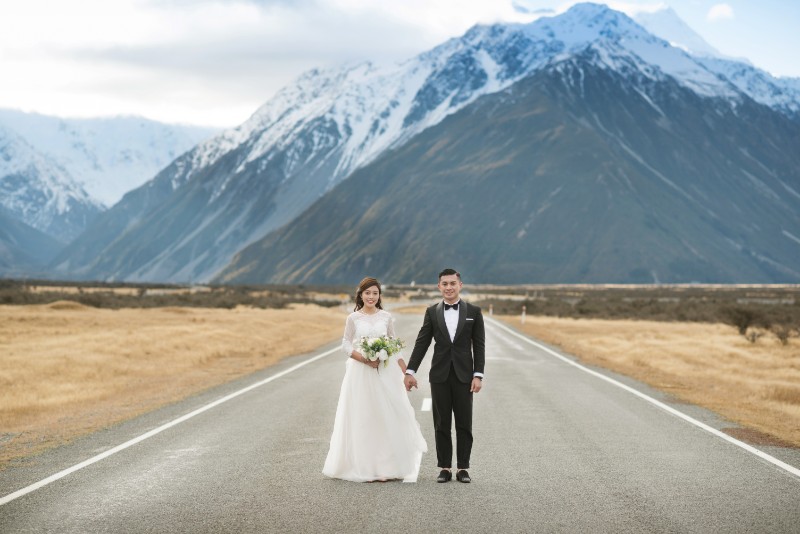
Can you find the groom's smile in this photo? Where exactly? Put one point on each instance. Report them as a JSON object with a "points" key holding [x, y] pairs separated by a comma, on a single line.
{"points": [[450, 287]]}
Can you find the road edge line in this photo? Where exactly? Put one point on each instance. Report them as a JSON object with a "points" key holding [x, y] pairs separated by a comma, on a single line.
{"points": [[749, 448], [94, 459]]}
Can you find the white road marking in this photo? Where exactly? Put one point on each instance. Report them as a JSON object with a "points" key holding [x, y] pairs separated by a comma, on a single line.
{"points": [[761, 454], [515, 346], [426, 407], [61, 474], [505, 340], [413, 478]]}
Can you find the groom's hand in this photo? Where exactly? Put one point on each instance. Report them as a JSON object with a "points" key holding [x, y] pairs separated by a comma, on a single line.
{"points": [[476, 385], [410, 382]]}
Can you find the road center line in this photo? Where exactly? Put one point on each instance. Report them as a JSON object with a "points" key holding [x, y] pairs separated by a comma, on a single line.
{"points": [[426, 404], [761, 454], [413, 478], [61, 474]]}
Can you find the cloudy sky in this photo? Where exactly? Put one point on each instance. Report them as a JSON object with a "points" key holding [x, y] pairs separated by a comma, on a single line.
{"points": [[213, 62]]}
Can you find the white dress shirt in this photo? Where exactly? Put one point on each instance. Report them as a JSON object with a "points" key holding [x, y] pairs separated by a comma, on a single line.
{"points": [[451, 320]]}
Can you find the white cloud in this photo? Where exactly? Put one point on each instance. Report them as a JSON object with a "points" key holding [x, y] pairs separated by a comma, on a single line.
{"points": [[720, 11], [531, 7], [205, 61], [216, 61], [208, 62]]}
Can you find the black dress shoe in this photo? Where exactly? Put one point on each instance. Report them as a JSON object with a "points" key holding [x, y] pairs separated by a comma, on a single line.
{"points": [[445, 476], [463, 476]]}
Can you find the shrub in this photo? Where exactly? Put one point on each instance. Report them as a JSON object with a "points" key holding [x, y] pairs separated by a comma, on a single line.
{"points": [[741, 318], [753, 335], [153, 296], [783, 333]]}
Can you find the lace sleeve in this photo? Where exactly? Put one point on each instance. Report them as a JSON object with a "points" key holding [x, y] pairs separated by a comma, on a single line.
{"points": [[349, 334], [390, 331], [390, 327]]}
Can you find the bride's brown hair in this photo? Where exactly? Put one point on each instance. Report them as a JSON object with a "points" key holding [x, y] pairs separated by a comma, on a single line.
{"points": [[365, 284]]}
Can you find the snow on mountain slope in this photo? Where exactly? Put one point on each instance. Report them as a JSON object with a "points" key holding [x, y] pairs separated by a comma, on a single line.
{"points": [[40, 193], [782, 94], [107, 156], [376, 107], [666, 24], [246, 182]]}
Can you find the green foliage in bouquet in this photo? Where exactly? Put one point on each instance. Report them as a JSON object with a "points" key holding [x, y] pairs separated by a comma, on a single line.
{"points": [[381, 348]]}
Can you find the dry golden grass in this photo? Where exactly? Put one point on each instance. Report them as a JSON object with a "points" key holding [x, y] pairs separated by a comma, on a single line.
{"points": [[711, 365], [67, 369], [414, 309]]}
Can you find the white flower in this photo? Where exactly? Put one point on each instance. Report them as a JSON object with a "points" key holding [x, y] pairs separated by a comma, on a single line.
{"points": [[382, 356]]}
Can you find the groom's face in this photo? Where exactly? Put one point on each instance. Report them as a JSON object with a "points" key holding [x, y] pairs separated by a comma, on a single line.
{"points": [[450, 286]]}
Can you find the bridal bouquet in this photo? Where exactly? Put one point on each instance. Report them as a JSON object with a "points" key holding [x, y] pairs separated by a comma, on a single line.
{"points": [[381, 348]]}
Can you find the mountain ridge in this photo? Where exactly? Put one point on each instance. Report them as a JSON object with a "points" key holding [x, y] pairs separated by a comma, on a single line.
{"points": [[108, 156], [236, 188], [24, 251], [587, 194], [40, 193]]}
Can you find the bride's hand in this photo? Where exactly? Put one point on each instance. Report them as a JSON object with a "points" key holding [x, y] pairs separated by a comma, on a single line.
{"points": [[372, 363]]}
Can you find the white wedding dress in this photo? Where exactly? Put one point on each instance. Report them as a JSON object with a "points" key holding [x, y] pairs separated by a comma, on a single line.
{"points": [[376, 434]]}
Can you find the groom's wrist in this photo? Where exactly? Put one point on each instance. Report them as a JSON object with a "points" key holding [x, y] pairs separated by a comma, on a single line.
{"points": [[410, 372]]}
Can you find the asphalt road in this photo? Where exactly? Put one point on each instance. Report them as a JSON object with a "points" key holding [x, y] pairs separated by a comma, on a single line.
{"points": [[557, 449]]}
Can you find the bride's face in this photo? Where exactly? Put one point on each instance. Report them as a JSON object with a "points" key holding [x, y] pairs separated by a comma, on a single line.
{"points": [[370, 297]]}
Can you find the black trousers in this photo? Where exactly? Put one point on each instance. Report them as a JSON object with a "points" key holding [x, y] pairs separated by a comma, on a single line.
{"points": [[452, 398]]}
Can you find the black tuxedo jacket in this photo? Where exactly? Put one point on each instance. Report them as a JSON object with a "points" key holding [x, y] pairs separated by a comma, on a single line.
{"points": [[467, 351]]}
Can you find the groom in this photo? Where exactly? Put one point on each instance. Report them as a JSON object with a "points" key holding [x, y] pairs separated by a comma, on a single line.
{"points": [[456, 371]]}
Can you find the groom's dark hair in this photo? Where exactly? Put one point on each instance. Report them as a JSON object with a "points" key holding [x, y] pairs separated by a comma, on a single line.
{"points": [[448, 272]]}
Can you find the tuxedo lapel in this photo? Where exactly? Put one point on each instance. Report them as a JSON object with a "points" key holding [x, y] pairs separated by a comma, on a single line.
{"points": [[440, 320], [462, 318]]}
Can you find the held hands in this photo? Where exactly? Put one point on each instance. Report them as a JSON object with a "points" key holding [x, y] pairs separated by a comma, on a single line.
{"points": [[476, 385], [409, 382]]}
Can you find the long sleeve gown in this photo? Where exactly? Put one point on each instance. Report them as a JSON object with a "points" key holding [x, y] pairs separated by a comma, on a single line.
{"points": [[376, 435]]}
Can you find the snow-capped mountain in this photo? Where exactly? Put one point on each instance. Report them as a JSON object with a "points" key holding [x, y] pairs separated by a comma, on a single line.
{"points": [[577, 173], [781, 94], [665, 23], [377, 107], [107, 156], [237, 187], [40, 193]]}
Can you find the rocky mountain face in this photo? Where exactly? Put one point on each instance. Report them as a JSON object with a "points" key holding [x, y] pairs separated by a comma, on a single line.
{"points": [[24, 251], [107, 156], [54, 173], [39, 193], [329, 127], [579, 173]]}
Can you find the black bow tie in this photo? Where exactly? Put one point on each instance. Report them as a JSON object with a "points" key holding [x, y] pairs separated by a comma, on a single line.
{"points": [[448, 306]]}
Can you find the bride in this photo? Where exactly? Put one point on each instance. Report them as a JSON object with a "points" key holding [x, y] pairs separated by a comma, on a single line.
{"points": [[376, 435]]}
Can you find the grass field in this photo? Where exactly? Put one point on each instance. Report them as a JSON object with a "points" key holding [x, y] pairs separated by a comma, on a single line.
{"points": [[67, 369], [78, 357], [711, 365]]}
